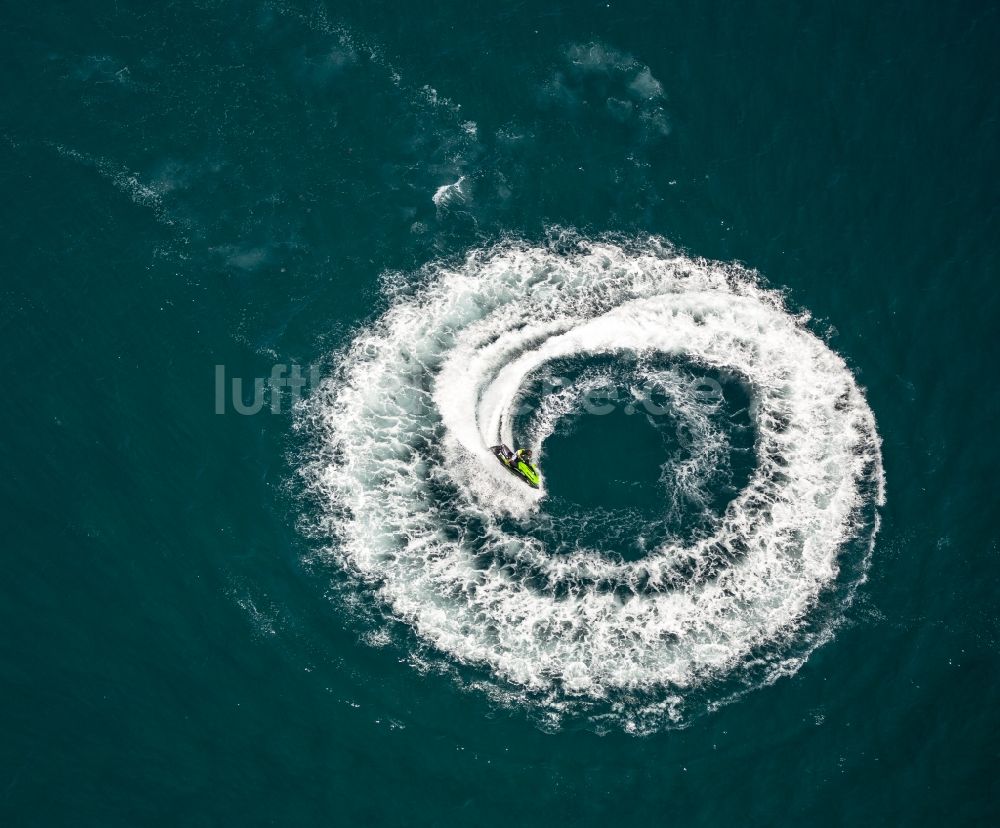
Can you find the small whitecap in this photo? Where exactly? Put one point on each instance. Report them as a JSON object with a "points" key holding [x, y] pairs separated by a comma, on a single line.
{"points": [[448, 195]]}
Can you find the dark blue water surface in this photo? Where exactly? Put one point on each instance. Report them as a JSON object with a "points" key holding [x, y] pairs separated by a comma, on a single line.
{"points": [[202, 184]]}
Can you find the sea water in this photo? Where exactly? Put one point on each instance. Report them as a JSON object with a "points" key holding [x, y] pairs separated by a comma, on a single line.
{"points": [[278, 274]]}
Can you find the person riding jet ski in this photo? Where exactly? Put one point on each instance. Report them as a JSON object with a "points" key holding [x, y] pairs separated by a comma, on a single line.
{"points": [[519, 463]]}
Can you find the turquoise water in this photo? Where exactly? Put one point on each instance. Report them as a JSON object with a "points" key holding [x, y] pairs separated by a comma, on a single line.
{"points": [[188, 639]]}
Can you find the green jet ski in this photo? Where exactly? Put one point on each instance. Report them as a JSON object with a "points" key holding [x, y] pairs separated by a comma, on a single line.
{"points": [[518, 463]]}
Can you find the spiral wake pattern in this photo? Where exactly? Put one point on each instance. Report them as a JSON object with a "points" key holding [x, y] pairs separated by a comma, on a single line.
{"points": [[636, 623]]}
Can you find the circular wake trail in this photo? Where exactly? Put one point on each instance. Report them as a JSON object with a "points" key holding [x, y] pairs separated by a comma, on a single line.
{"points": [[420, 510]]}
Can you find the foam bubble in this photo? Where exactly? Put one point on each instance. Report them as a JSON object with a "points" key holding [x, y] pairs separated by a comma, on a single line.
{"points": [[445, 538]]}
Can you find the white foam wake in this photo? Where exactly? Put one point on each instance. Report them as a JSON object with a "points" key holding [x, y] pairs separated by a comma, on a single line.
{"points": [[420, 510]]}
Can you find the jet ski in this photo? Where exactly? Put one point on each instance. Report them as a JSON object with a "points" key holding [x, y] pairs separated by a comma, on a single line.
{"points": [[517, 465]]}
